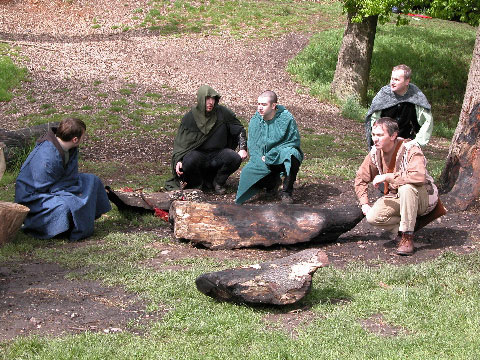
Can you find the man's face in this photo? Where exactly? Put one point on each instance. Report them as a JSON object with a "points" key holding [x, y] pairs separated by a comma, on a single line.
{"points": [[266, 108], [398, 83], [381, 139], [209, 103]]}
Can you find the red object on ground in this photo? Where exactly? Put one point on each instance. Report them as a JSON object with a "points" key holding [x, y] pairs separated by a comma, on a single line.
{"points": [[162, 214], [420, 16], [126, 189]]}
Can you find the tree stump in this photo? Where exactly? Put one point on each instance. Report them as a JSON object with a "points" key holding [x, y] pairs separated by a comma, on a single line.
{"points": [[20, 139], [279, 282], [228, 226], [139, 200], [11, 218]]}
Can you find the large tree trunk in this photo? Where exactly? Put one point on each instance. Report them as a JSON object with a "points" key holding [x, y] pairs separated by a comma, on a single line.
{"points": [[354, 59], [461, 176]]}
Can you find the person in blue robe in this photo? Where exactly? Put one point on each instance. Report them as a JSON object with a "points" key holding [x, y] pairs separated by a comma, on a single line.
{"points": [[61, 200]]}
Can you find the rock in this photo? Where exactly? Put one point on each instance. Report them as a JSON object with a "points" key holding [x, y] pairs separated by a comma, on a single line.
{"points": [[279, 282]]}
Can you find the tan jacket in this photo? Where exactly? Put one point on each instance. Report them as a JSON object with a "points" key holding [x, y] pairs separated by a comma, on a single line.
{"points": [[410, 168]]}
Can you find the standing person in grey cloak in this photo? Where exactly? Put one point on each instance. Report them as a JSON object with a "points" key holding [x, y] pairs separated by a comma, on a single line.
{"points": [[406, 104], [274, 147], [61, 200], [204, 149]]}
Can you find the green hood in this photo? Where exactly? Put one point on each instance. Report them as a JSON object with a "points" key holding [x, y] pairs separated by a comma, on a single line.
{"points": [[205, 122]]}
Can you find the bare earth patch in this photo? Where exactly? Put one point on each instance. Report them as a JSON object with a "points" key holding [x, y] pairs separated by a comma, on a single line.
{"points": [[72, 62]]}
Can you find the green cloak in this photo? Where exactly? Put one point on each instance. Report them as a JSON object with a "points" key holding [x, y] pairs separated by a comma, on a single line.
{"points": [[277, 139], [196, 127]]}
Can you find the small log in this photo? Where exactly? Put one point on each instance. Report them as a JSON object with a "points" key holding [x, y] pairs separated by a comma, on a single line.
{"points": [[228, 226], [279, 282], [133, 200], [23, 138]]}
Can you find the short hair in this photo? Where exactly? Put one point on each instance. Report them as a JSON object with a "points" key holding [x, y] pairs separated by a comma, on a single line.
{"points": [[270, 95], [390, 125], [70, 128], [407, 72]]}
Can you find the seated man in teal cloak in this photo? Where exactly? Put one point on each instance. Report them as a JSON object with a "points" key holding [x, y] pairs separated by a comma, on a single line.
{"points": [[274, 148], [204, 153]]}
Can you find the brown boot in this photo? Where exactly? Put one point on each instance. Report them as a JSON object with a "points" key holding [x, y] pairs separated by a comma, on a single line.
{"points": [[406, 244]]}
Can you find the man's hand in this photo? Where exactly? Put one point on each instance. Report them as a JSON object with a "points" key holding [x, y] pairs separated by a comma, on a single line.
{"points": [[379, 179], [366, 208], [243, 154], [178, 168], [263, 158]]}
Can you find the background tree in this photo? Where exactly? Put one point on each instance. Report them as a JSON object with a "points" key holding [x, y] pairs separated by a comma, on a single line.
{"points": [[355, 55], [354, 58], [461, 175]]}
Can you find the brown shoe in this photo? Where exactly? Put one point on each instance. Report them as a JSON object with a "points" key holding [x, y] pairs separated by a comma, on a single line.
{"points": [[406, 247]]}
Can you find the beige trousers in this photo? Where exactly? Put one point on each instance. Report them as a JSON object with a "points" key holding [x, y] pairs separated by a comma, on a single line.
{"points": [[399, 212]]}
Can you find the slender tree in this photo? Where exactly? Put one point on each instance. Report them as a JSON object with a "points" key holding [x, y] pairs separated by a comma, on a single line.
{"points": [[461, 175], [355, 55]]}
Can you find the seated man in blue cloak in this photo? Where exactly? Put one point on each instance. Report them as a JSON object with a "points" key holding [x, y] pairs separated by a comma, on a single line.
{"points": [[274, 148], [61, 200], [204, 153]]}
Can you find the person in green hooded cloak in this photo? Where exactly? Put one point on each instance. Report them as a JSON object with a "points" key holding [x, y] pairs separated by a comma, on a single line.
{"points": [[204, 153], [274, 149]]}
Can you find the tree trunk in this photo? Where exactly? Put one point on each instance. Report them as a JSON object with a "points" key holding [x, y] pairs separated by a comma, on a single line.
{"points": [[221, 226], [354, 59], [461, 175]]}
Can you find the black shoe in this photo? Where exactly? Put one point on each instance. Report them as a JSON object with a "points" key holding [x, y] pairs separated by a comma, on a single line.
{"points": [[219, 189], [286, 198]]}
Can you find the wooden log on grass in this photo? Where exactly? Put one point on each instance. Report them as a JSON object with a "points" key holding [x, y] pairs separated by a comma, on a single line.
{"points": [[18, 141], [229, 226], [278, 282]]}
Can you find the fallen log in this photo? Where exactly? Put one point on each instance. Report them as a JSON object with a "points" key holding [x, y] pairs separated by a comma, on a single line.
{"points": [[17, 140], [228, 226], [137, 200], [279, 282]]}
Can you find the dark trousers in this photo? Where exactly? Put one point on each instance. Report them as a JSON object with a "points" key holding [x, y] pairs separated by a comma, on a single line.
{"points": [[272, 180], [201, 168]]}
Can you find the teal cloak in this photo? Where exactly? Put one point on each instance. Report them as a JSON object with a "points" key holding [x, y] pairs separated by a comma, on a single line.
{"points": [[278, 140]]}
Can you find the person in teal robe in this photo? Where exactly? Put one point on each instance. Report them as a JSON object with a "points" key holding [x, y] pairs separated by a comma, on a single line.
{"points": [[204, 153], [274, 148]]}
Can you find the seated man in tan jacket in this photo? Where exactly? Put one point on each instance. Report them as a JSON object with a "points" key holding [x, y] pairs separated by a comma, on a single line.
{"points": [[408, 192]]}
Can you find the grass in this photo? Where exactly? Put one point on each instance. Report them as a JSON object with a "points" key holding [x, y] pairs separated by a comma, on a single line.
{"points": [[10, 75], [432, 306], [257, 19], [440, 71]]}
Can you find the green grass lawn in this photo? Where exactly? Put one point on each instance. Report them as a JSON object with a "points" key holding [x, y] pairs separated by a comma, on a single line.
{"points": [[433, 306]]}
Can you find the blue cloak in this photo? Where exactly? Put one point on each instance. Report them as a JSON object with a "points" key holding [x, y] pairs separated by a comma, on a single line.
{"points": [[60, 199], [278, 140]]}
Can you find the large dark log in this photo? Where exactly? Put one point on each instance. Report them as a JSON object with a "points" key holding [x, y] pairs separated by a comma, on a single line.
{"points": [[229, 226], [17, 140], [137, 200], [279, 282]]}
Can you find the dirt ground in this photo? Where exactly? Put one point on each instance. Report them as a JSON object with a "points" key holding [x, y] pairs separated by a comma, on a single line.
{"points": [[62, 49]]}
